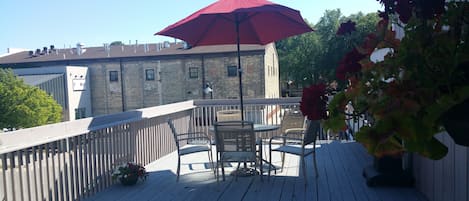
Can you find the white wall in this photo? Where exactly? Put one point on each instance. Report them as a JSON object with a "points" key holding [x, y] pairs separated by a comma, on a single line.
{"points": [[271, 72], [446, 179], [78, 98], [78, 90]]}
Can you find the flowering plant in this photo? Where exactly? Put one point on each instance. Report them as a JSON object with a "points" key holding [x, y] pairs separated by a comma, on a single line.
{"points": [[412, 91], [129, 172], [313, 102]]}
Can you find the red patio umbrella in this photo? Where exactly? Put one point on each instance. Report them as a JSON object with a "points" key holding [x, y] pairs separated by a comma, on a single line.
{"points": [[238, 22]]}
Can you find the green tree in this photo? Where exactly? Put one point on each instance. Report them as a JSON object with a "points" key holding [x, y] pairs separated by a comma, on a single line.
{"points": [[306, 58], [333, 46], [116, 43], [24, 106], [296, 57]]}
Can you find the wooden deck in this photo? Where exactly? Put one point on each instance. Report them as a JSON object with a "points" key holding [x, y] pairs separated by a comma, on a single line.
{"points": [[340, 167]]}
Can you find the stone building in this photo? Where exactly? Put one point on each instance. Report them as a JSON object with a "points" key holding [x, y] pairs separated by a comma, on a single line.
{"points": [[126, 77]]}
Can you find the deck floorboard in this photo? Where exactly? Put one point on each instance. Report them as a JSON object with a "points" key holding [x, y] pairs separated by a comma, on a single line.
{"points": [[340, 166]]}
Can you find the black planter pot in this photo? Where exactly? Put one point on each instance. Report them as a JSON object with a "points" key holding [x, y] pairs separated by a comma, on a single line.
{"points": [[387, 171], [456, 123], [129, 181]]}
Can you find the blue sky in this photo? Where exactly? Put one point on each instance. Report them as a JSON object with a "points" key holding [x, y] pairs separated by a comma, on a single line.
{"points": [[35, 24]]}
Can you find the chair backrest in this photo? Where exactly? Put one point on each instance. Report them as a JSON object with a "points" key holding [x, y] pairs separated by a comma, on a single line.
{"points": [[292, 119], [236, 138], [312, 131], [173, 130], [296, 124], [229, 115]]}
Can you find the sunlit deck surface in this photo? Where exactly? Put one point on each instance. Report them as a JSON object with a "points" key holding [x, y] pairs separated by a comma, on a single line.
{"points": [[340, 167]]}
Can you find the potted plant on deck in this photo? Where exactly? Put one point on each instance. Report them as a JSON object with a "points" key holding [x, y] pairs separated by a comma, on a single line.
{"points": [[419, 87], [129, 173]]}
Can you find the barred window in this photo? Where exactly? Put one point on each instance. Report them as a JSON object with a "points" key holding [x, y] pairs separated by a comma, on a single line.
{"points": [[232, 71], [113, 76], [149, 74], [193, 72]]}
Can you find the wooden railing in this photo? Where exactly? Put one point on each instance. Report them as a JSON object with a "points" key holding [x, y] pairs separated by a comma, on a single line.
{"points": [[73, 160], [260, 111]]}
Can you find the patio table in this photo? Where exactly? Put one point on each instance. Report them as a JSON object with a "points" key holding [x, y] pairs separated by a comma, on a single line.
{"points": [[258, 128]]}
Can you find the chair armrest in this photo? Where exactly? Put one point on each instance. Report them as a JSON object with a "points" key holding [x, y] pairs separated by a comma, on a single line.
{"points": [[295, 131], [194, 137], [285, 138]]}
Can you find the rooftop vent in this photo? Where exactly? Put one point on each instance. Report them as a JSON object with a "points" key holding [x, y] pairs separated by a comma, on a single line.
{"points": [[107, 49], [158, 47], [167, 44], [186, 46], [136, 45], [80, 49]]}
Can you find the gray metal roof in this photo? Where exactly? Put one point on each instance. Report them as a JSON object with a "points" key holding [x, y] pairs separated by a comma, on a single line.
{"points": [[123, 51], [36, 80]]}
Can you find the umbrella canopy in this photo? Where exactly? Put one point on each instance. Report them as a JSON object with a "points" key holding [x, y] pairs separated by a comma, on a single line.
{"points": [[238, 22], [260, 22]]}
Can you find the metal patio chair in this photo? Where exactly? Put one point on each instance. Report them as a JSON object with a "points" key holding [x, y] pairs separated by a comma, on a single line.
{"points": [[189, 143], [236, 142], [296, 141]]}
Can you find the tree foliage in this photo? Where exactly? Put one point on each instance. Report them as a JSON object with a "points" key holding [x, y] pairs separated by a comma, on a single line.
{"points": [[116, 43], [24, 106], [307, 58]]}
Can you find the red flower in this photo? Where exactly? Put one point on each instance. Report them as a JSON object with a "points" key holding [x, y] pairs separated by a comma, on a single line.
{"points": [[370, 43], [346, 28], [430, 8], [313, 102], [349, 64], [425, 9]]}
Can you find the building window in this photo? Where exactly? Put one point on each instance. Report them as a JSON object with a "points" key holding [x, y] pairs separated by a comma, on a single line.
{"points": [[113, 76], [232, 71], [80, 113], [193, 72], [149, 74]]}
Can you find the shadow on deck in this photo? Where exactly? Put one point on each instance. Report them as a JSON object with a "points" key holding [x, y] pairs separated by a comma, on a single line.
{"points": [[340, 167]]}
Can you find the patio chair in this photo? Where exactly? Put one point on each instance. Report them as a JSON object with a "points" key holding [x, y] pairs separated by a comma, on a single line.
{"points": [[228, 115], [194, 142], [296, 141], [236, 142]]}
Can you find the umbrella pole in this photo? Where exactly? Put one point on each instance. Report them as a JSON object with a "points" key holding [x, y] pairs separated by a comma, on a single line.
{"points": [[240, 71]]}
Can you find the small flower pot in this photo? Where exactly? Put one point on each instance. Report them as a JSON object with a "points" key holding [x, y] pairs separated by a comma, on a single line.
{"points": [[129, 180]]}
